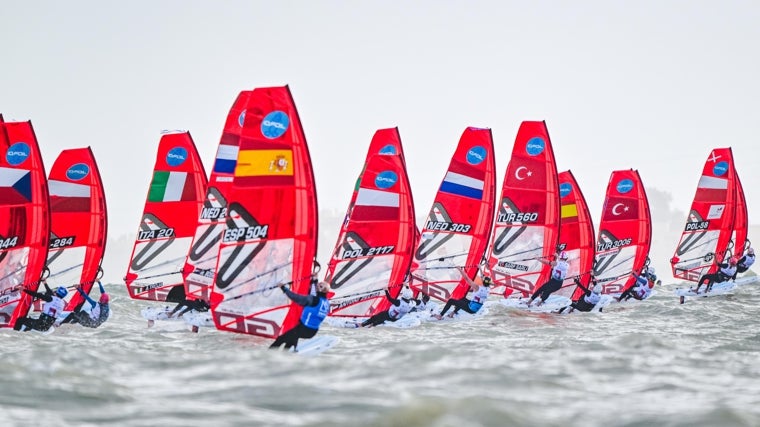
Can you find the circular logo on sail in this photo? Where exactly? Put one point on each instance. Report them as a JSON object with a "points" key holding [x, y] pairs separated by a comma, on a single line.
{"points": [[720, 169], [17, 153], [535, 146], [564, 189], [241, 118], [388, 149], [476, 155], [77, 171], [386, 179], [624, 186], [275, 124], [176, 156]]}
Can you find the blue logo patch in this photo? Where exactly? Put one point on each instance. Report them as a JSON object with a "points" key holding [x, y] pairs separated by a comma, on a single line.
{"points": [[624, 186], [386, 179], [535, 146], [720, 169], [77, 171], [388, 149], [564, 189], [241, 118], [476, 155], [176, 156], [275, 124], [17, 153]]}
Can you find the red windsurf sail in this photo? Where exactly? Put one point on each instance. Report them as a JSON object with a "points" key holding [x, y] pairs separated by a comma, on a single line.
{"points": [[625, 232], [739, 242], [201, 261], [174, 202], [271, 223], [24, 219], [458, 226], [709, 226], [77, 222], [527, 222], [374, 248], [576, 235]]}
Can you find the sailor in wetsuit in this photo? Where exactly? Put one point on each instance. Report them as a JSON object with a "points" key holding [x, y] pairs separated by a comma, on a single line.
{"points": [[559, 272], [745, 262], [589, 300], [54, 304], [399, 308], [421, 302], [642, 288], [479, 296], [315, 309], [198, 305], [726, 271], [97, 314]]}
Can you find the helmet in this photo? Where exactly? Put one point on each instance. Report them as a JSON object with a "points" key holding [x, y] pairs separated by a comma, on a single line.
{"points": [[406, 293], [597, 289], [563, 255], [104, 299], [61, 292], [733, 260], [487, 281], [650, 270], [751, 251], [323, 287]]}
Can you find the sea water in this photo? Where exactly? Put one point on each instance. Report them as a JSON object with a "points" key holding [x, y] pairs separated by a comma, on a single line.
{"points": [[643, 364]]}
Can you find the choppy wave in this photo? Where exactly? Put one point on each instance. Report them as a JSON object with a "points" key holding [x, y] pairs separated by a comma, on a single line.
{"points": [[644, 364]]}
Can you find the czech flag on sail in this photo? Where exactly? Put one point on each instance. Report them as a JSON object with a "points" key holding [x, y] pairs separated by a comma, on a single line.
{"points": [[460, 182], [15, 186], [68, 196]]}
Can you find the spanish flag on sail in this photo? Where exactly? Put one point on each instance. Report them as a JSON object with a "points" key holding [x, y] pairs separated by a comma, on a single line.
{"points": [[264, 167]]}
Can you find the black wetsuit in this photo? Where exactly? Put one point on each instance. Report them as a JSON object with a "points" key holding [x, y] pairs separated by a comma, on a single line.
{"points": [[198, 305], [581, 304], [290, 338], [548, 288], [383, 316], [459, 304], [741, 267], [42, 323], [421, 303], [83, 318], [717, 277]]}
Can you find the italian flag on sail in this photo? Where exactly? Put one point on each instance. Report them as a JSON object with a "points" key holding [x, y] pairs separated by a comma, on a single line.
{"points": [[171, 187]]}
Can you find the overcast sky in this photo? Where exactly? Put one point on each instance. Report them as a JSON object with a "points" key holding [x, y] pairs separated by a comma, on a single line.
{"points": [[651, 85]]}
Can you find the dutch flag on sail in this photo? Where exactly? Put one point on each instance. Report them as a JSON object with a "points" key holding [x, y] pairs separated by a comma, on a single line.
{"points": [[462, 185], [226, 159]]}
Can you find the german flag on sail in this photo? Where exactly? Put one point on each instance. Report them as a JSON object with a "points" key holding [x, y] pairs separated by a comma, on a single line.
{"points": [[171, 187], [264, 167]]}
